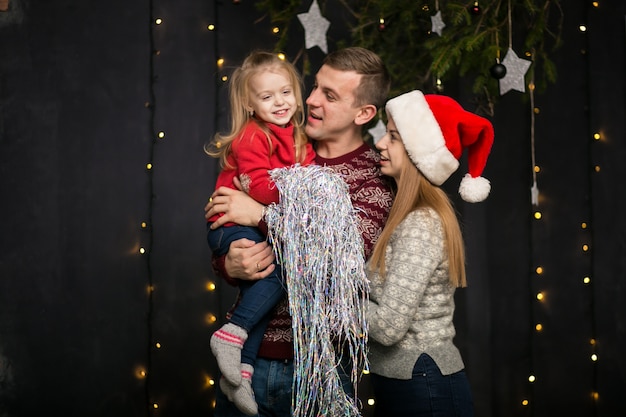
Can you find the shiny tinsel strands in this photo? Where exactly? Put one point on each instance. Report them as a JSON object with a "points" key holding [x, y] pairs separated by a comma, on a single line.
{"points": [[314, 230]]}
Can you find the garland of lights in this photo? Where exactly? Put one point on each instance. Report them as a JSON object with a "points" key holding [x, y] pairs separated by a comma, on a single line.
{"points": [[210, 319], [147, 225], [542, 296], [464, 24]]}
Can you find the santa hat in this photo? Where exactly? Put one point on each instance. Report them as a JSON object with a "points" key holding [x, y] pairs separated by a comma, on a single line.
{"points": [[435, 131]]}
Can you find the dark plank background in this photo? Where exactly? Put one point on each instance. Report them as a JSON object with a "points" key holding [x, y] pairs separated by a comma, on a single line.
{"points": [[77, 319]]}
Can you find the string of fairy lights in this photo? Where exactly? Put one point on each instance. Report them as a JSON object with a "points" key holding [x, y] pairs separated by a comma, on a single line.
{"points": [[146, 225], [596, 139], [539, 297], [144, 372]]}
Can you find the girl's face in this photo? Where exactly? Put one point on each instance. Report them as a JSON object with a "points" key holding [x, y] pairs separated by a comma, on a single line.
{"points": [[393, 155], [272, 97]]}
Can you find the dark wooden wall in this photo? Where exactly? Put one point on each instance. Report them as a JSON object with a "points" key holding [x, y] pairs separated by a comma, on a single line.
{"points": [[85, 88]]}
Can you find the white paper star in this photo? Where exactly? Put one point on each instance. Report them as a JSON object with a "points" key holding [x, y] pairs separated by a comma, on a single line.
{"points": [[315, 27], [515, 71], [437, 23], [378, 131]]}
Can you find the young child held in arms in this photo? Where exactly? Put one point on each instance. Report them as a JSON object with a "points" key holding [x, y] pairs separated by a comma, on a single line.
{"points": [[267, 132]]}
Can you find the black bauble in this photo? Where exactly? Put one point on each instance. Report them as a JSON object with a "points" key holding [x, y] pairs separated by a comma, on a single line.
{"points": [[498, 71]]}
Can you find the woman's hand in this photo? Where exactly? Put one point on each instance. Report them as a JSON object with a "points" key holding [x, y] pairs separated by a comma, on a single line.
{"points": [[248, 260]]}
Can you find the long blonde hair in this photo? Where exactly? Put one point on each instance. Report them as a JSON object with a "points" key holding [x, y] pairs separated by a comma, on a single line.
{"points": [[239, 96], [415, 191]]}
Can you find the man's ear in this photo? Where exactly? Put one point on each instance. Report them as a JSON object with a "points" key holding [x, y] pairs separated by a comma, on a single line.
{"points": [[366, 114]]}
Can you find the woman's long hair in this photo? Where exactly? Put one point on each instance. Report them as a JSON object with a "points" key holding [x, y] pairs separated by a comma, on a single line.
{"points": [[239, 94], [415, 191]]}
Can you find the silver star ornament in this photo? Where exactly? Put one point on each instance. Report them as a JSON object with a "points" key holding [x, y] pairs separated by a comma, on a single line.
{"points": [[378, 131], [315, 27], [437, 23], [515, 71]]}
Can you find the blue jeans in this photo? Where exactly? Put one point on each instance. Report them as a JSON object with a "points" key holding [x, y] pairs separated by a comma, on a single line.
{"points": [[271, 383], [427, 394], [258, 298]]}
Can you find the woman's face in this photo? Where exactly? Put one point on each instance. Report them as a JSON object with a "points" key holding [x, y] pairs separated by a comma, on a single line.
{"points": [[393, 155]]}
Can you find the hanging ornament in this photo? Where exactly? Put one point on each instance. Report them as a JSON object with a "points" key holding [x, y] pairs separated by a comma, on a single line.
{"points": [[475, 9], [439, 85], [515, 72], [315, 27], [497, 70], [515, 67], [378, 131], [381, 25], [437, 23], [534, 194]]}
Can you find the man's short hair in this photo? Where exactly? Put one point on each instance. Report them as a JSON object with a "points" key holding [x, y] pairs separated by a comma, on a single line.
{"points": [[375, 81]]}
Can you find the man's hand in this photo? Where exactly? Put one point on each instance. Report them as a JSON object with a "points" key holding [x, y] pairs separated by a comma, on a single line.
{"points": [[248, 260], [237, 206]]}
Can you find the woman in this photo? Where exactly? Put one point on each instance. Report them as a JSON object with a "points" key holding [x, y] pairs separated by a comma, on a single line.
{"points": [[419, 258]]}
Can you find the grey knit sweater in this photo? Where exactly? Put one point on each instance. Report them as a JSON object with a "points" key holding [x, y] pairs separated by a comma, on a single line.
{"points": [[411, 312]]}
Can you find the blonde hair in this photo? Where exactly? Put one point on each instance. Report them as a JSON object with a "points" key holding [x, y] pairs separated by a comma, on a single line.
{"points": [[415, 191], [239, 96]]}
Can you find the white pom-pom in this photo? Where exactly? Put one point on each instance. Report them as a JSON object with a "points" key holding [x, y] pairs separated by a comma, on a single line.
{"points": [[474, 190]]}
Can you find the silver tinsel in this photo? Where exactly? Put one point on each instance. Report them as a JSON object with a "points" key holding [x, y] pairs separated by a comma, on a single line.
{"points": [[316, 239]]}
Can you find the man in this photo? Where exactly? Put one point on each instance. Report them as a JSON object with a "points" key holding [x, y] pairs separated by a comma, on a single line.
{"points": [[349, 88]]}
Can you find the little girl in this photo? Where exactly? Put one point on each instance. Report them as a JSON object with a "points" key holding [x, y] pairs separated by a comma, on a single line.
{"points": [[267, 119]]}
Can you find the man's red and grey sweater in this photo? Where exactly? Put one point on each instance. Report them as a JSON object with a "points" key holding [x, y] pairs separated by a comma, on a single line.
{"points": [[371, 196]]}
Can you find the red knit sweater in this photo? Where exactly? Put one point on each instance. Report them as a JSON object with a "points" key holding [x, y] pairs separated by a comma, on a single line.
{"points": [[251, 158], [371, 196]]}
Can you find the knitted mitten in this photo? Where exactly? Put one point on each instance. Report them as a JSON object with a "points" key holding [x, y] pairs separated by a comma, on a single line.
{"points": [[226, 344], [242, 395]]}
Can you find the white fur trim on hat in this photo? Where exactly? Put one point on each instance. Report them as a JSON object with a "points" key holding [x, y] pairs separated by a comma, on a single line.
{"points": [[422, 136]]}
